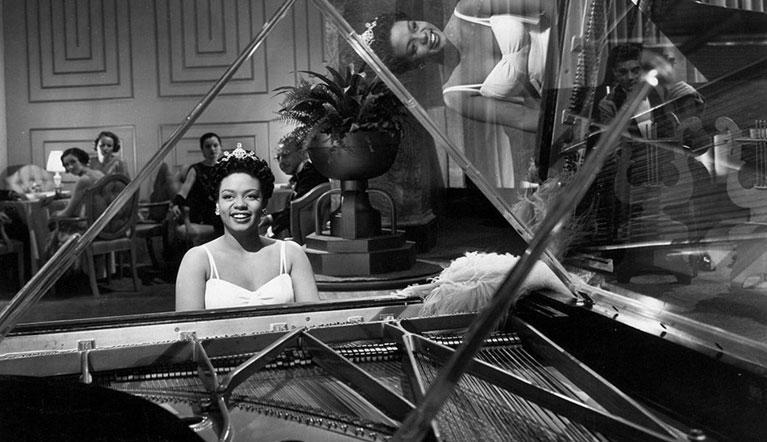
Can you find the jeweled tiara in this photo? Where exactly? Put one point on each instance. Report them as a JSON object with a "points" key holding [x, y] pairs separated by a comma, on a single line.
{"points": [[238, 153], [368, 36]]}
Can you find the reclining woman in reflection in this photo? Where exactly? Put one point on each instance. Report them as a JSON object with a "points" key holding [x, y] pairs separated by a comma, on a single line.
{"points": [[493, 52], [241, 267]]}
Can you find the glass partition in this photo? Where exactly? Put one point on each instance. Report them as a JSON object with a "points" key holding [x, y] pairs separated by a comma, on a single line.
{"points": [[675, 218]]}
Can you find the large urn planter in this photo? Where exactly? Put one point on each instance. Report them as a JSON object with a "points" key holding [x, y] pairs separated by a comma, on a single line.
{"points": [[359, 155], [356, 244], [353, 160]]}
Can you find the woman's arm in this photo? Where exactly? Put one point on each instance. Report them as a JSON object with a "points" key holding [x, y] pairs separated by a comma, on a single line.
{"points": [[190, 280], [491, 110], [118, 167], [304, 287], [73, 207], [186, 187]]}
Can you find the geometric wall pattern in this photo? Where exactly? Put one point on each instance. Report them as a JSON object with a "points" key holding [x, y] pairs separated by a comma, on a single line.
{"points": [[197, 40], [78, 50]]}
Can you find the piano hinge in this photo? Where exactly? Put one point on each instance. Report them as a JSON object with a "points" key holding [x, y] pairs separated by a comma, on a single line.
{"points": [[85, 347]]}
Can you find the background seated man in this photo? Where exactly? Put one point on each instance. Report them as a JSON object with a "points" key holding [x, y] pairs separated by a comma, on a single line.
{"points": [[295, 162]]}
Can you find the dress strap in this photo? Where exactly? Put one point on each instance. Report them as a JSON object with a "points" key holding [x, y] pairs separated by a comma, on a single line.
{"points": [[213, 269], [480, 21], [283, 259]]}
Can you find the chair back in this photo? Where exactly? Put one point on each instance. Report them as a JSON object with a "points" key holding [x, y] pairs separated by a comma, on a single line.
{"points": [[166, 185], [25, 177], [100, 196], [302, 212]]}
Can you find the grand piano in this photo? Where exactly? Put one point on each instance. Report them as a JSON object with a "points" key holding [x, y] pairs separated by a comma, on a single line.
{"points": [[616, 358]]}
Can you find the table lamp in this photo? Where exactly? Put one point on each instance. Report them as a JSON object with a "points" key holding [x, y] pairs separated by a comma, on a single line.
{"points": [[54, 165]]}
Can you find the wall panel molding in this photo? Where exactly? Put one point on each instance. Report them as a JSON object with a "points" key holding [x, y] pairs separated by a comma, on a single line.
{"points": [[197, 41], [78, 50]]}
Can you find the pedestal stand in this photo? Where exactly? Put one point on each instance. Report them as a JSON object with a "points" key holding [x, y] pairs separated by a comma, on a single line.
{"points": [[356, 245]]}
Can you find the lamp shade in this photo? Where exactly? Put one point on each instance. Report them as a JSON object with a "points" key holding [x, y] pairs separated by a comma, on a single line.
{"points": [[54, 162]]}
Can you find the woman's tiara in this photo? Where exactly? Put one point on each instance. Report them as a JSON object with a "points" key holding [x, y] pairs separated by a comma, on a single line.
{"points": [[239, 153], [368, 36]]}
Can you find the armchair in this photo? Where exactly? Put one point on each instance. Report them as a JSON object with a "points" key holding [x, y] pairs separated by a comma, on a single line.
{"points": [[11, 246], [302, 212], [157, 220]]}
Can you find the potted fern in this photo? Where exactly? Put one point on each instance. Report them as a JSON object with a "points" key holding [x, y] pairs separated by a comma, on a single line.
{"points": [[353, 121]]}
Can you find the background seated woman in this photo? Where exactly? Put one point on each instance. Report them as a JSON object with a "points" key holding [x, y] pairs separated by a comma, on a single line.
{"points": [[106, 145], [241, 267], [195, 202], [75, 161]]}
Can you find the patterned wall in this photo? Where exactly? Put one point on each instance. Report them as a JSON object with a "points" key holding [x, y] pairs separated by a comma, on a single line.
{"points": [[138, 67], [78, 50]]}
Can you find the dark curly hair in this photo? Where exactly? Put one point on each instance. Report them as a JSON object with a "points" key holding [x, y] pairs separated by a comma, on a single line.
{"points": [[81, 155], [381, 43], [249, 164]]}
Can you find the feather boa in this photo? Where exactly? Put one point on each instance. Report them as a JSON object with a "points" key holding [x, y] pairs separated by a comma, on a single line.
{"points": [[469, 282]]}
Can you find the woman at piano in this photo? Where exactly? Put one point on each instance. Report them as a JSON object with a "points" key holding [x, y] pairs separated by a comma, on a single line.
{"points": [[243, 268], [493, 53]]}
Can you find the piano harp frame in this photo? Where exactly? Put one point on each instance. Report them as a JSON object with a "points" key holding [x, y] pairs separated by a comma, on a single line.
{"points": [[606, 411]]}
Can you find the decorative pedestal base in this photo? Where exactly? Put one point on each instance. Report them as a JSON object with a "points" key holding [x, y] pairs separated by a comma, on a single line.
{"points": [[334, 256]]}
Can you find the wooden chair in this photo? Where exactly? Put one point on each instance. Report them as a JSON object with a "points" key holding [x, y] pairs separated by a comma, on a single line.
{"points": [[10, 246], [118, 235], [157, 219], [302, 212], [154, 225]]}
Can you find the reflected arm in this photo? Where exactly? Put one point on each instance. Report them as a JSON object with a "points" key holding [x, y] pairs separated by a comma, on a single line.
{"points": [[491, 110]]}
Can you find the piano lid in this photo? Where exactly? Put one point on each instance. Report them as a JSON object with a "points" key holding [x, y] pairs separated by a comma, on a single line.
{"points": [[707, 34]]}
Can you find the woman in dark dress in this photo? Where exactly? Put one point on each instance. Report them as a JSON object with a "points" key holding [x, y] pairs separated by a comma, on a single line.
{"points": [[194, 202]]}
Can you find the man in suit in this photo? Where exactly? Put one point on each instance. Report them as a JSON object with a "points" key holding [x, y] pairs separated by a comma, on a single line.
{"points": [[295, 162]]}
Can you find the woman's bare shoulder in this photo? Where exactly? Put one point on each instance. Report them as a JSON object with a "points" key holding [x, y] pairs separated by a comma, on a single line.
{"points": [[292, 247]]}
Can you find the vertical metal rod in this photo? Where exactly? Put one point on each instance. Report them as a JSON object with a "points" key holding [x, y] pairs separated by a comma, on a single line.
{"points": [[65, 257], [417, 422]]}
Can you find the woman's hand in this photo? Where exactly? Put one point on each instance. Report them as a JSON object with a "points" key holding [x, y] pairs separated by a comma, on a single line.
{"points": [[175, 211]]}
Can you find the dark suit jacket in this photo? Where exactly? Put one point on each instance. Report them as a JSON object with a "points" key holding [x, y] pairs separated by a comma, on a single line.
{"points": [[302, 183]]}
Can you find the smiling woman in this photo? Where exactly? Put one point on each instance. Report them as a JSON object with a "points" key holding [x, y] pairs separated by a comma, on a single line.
{"points": [[241, 267]]}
